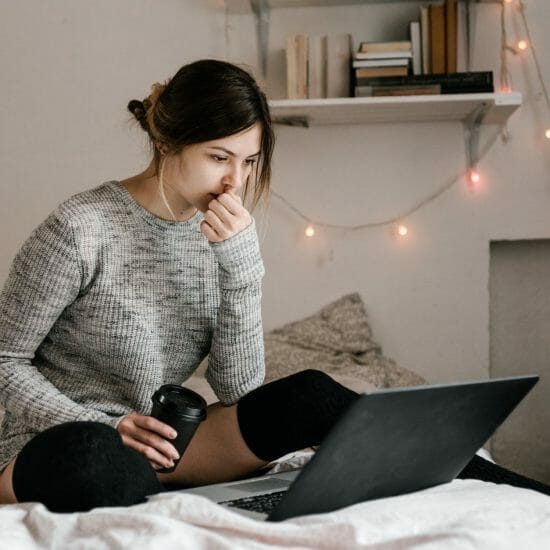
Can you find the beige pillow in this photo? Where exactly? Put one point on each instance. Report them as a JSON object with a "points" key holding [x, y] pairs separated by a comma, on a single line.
{"points": [[337, 340]]}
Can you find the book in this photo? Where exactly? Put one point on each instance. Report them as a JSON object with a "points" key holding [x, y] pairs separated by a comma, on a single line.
{"points": [[425, 38], [338, 65], [402, 45], [464, 82], [451, 36], [383, 55], [296, 66], [437, 38], [416, 46], [367, 72], [380, 91], [391, 62], [317, 67]]}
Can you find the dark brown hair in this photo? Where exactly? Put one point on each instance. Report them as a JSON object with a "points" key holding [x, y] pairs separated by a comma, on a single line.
{"points": [[203, 101]]}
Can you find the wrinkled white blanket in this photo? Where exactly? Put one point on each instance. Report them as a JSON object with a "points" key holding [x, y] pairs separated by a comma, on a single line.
{"points": [[462, 514]]}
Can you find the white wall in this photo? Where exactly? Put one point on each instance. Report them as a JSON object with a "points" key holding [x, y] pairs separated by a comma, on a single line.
{"points": [[69, 68]]}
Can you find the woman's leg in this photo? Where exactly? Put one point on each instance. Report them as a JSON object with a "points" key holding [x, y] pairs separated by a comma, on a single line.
{"points": [[485, 470], [7, 496], [77, 466], [280, 417], [217, 452], [284, 416]]}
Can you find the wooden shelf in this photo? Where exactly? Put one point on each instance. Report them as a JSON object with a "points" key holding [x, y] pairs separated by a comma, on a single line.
{"points": [[244, 6], [497, 108]]}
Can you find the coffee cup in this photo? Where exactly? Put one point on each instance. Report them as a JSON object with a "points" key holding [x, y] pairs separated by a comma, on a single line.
{"points": [[183, 410]]}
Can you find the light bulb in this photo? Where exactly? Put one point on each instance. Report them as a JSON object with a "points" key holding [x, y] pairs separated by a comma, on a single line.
{"points": [[310, 231], [547, 133], [402, 230], [473, 178], [522, 45]]}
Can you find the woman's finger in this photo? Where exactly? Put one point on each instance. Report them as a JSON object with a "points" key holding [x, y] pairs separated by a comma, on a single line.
{"points": [[152, 424], [151, 454]]}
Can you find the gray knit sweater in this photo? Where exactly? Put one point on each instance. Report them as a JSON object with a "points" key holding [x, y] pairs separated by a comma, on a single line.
{"points": [[105, 302]]}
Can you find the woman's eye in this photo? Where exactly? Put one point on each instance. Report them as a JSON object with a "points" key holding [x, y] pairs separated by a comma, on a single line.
{"points": [[250, 162], [218, 158]]}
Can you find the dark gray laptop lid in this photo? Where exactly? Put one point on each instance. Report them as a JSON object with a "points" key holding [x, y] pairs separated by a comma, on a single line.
{"points": [[401, 440]]}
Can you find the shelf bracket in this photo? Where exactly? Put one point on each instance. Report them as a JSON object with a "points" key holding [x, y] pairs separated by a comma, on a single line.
{"points": [[472, 127], [260, 9]]}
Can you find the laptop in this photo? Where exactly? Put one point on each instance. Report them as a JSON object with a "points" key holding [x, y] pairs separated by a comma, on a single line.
{"points": [[387, 443]]}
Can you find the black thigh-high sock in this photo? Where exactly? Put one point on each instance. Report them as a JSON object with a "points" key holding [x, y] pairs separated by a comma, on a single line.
{"points": [[77, 466], [291, 413], [485, 470], [298, 411]]}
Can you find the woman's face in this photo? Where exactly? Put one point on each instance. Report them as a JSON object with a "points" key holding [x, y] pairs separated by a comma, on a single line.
{"points": [[203, 171]]}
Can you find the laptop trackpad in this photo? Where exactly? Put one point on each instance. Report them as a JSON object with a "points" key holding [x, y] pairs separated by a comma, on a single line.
{"points": [[261, 485]]}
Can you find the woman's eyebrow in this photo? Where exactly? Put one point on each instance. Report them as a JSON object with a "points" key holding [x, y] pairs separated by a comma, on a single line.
{"points": [[231, 153]]}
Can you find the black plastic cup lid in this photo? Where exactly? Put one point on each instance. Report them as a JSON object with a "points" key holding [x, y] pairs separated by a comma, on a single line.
{"points": [[180, 400]]}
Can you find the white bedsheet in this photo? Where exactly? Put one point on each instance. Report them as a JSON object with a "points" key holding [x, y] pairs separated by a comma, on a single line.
{"points": [[462, 514]]}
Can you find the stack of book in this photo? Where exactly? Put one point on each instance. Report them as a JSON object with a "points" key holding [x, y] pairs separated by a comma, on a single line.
{"points": [[432, 63], [375, 59], [426, 84], [318, 66]]}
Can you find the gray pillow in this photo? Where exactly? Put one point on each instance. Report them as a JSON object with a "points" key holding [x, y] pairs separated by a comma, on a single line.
{"points": [[337, 340]]}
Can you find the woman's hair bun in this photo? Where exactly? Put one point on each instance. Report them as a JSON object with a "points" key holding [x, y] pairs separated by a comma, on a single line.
{"points": [[139, 110]]}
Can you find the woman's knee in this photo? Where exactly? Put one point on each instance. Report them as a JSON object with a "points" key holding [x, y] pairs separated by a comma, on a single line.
{"points": [[77, 466], [7, 495]]}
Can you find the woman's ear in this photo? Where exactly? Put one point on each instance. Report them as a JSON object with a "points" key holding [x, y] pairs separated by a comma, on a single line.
{"points": [[162, 147]]}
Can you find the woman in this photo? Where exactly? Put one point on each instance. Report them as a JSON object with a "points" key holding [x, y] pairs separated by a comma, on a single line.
{"points": [[129, 286]]}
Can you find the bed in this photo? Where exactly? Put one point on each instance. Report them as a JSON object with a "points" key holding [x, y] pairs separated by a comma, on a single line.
{"points": [[338, 340]]}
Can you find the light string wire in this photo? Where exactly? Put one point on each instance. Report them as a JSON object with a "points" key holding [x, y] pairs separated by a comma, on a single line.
{"points": [[396, 219], [502, 132], [505, 81], [522, 10]]}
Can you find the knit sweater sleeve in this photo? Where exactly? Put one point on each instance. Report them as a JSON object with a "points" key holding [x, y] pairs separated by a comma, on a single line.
{"points": [[45, 277], [236, 361]]}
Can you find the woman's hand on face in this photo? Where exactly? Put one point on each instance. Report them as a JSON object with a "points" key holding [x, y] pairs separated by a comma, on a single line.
{"points": [[226, 216], [149, 437]]}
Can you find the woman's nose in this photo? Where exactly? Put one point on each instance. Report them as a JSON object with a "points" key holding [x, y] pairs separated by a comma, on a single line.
{"points": [[234, 178]]}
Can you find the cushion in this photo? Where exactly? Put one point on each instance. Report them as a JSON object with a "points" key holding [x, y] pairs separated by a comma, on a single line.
{"points": [[337, 340]]}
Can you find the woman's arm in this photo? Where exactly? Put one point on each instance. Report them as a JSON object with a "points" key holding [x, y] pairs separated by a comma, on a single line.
{"points": [[236, 361], [44, 279]]}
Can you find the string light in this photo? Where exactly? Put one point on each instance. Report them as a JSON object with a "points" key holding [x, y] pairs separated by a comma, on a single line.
{"points": [[522, 45], [402, 230], [472, 176], [535, 57], [310, 231]]}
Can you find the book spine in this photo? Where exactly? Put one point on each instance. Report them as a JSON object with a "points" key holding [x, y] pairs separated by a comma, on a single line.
{"points": [[437, 38], [414, 33], [403, 45], [383, 55], [296, 64], [479, 80], [451, 36], [394, 62], [317, 67], [425, 38], [338, 65]]}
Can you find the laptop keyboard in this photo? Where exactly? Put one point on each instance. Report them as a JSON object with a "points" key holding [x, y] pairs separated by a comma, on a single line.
{"points": [[263, 504]]}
